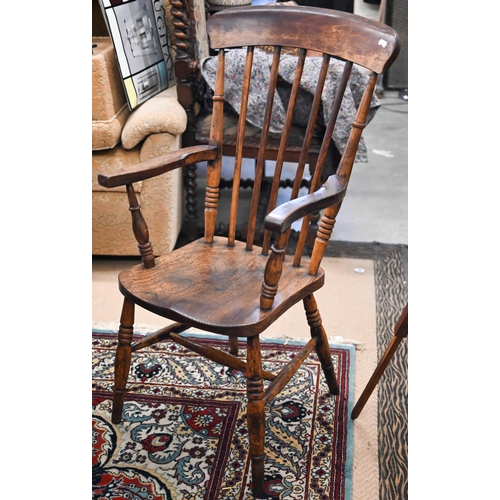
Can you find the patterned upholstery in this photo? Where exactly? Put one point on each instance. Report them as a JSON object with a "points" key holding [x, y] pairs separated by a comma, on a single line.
{"points": [[151, 130]]}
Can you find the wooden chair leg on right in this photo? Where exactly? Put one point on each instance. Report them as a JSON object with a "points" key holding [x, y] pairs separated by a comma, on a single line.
{"points": [[122, 359], [400, 332], [322, 348]]}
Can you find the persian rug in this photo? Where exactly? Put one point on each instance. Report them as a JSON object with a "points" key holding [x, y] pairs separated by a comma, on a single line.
{"points": [[183, 433]]}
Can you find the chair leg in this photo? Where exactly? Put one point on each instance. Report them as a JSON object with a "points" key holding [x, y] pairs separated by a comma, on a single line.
{"points": [[400, 332], [256, 414], [122, 359], [233, 346], [322, 347]]}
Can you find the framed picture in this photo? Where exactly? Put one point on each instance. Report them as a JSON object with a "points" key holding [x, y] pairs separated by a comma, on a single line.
{"points": [[140, 36]]}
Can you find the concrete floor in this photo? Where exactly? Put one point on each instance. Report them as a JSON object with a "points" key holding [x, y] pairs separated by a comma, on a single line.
{"points": [[376, 205]]}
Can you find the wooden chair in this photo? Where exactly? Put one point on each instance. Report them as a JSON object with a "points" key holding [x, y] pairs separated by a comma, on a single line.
{"points": [[400, 332], [228, 287], [195, 97]]}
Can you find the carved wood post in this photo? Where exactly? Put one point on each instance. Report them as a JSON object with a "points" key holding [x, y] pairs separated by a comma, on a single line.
{"points": [[186, 69], [322, 237], [122, 359], [272, 273], [322, 348], [214, 166], [256, 414], [140, 229]]}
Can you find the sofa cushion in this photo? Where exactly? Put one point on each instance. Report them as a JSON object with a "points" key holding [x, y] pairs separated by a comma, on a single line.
{"points": [[158, 144], [109, 104], [161, 113], [114, 160], [106, 134], [108, 96]]}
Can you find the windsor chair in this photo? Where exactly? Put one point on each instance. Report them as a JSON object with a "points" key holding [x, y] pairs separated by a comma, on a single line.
{"points": [[194, 94], [235, 288]]}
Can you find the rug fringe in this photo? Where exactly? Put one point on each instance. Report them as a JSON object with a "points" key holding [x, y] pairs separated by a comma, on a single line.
{"points": [[114, 326]]}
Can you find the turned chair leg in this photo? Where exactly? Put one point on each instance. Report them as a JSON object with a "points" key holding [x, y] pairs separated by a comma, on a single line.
{"points": [[322, 347], [256, 414], [122, 359], [233, 346]]}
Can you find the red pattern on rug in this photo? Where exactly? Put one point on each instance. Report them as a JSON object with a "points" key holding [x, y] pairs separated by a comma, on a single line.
{"points": [[183, 433]]}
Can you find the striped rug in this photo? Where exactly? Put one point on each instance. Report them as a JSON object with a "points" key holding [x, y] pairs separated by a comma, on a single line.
{"points": [[391, 286]]}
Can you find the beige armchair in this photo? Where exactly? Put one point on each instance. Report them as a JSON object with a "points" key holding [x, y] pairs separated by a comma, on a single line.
{"points": [[121, 137]]}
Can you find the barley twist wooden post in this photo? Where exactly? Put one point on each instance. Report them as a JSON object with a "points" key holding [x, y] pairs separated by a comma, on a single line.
{"points": [[186, 69]]}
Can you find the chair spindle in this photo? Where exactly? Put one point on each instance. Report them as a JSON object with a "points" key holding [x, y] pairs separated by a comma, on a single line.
{"points": [[283, 143], [316, 180], [239, 146], [307, 142], [263, 145], [214, 166], [344, 170]]}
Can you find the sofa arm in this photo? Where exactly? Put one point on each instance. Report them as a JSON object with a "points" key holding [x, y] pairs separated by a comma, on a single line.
{"points": [[162, 113]]}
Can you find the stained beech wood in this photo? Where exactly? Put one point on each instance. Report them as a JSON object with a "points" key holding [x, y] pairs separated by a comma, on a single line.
{"points": [[158, 336], [140, 229], [234, 288], [348, 36], [216, 287], [322, 348], [400, 332], [261, 158], [216, 355], [272, 273], [331, 193], [323, 235], [233, 341], [240, 137], [157, 166], [289, 371], [123, 359], [256, 415], [283, 145], [214, 165]]}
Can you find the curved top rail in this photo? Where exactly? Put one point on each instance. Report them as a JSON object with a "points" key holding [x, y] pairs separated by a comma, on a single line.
{"points": [[369, 43]]}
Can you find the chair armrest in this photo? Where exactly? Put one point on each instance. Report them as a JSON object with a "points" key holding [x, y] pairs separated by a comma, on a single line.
{"points": [[330, 193], [158, 166]]}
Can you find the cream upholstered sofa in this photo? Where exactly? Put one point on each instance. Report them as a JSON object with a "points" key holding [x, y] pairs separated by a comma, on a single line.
{"points": [[121, 137]]}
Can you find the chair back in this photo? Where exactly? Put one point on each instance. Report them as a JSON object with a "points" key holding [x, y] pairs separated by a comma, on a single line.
{"points": [[330, 47]]}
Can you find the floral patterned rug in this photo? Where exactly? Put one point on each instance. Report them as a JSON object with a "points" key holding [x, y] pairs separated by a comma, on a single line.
{"points": [[183, 433]]}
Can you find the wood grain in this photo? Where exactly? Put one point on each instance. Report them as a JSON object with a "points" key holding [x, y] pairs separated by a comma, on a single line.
{"points": [[216, 287]]}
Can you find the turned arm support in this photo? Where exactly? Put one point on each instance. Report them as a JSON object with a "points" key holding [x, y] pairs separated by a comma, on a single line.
{"points": [[330, 193], [158, 166], [145, 170], [281, 218]]}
